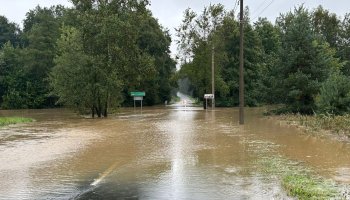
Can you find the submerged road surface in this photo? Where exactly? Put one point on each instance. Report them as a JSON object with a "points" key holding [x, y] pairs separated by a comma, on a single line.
{"points": [[161, 153]]}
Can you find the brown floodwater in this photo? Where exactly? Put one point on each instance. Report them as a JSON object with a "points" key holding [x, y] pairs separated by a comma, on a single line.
{"points": [[160, 153]]}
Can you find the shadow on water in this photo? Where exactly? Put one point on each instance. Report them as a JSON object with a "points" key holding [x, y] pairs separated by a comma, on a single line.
{"points": [[172, 152]]}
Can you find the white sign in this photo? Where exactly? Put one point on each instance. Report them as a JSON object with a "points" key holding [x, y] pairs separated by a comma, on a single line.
{"points": [[208, 96], [138, 98]]}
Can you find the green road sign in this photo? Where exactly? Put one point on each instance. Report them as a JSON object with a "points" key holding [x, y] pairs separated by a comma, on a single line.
{"points": [[138, 94]]}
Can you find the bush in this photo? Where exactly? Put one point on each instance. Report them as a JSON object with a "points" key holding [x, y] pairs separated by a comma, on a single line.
{"points": [[13, 100], [334, 95]]}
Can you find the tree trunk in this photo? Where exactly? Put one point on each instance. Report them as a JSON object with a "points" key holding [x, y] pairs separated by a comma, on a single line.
{"points": [[93, 111], [105, 113], [98, 107], [98, 111]]}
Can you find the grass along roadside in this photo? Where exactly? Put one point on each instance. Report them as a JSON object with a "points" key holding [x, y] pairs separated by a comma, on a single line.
{"points": [[297, 179], [300, 182], [338, 126], [4, 121]]}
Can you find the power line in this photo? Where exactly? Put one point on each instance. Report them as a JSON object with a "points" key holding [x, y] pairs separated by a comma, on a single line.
{"points": [[263, 10], [258, 8]]}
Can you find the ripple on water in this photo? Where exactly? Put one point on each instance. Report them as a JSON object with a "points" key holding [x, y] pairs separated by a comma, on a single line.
{"points": [[342, 174], [232, 170]]}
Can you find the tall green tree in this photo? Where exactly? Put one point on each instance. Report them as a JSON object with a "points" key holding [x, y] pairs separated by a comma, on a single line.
{"points": [[253, 61], [13, 80], [41, 31], [123, 49], [196, 39], [271, 46], [344, 44], [225, 36], [9, 32], [326, 25], [305, 61], [334, 96], [78, 79], [156, 41]]}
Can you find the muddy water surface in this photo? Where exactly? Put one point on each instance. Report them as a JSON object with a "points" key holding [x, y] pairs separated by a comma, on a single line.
{"points": [[161, 153]]}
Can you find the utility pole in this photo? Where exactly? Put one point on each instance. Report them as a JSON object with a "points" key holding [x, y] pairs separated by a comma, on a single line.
{"points": [[212, 77], [241, 67]]}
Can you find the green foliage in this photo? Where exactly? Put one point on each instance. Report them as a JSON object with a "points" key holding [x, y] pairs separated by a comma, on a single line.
{"points": [[339, 125], [334, 95], [271, 46], [13, 81], [199, 34], [120, 47], [115, 48], [336, 124], [299, 181], [9, 32], [269, 36], [326, 25], [196, 44], [344, 44], [305, 187], [71, 77], [41, 31], [286, 63], [25, 68], [4, 121], [93, 55], [155, 41], [305, 62]]}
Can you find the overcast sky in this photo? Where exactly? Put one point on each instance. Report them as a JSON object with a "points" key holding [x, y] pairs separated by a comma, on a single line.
{"points": [[169, 12]]}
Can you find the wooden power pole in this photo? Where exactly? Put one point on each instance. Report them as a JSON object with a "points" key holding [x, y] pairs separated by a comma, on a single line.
{"points": [[241, 67], [212, 76]]}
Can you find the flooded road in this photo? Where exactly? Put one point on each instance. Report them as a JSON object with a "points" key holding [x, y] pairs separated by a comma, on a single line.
{"points": [[161, 153]]}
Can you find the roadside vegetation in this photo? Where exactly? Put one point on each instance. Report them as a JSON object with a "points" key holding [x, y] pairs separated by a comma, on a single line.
{"points": [[95, 53], [301, 61], [4, 121], [297, 179], [92, 56], [337, 126], [300, 181]]}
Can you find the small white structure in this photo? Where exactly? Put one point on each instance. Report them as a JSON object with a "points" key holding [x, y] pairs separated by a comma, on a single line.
{"points": [[209, 96], [206, 97]]}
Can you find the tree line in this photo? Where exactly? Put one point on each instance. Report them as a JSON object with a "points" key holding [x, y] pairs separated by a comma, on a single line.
{"points": [[301, 61], [89, 57]]}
